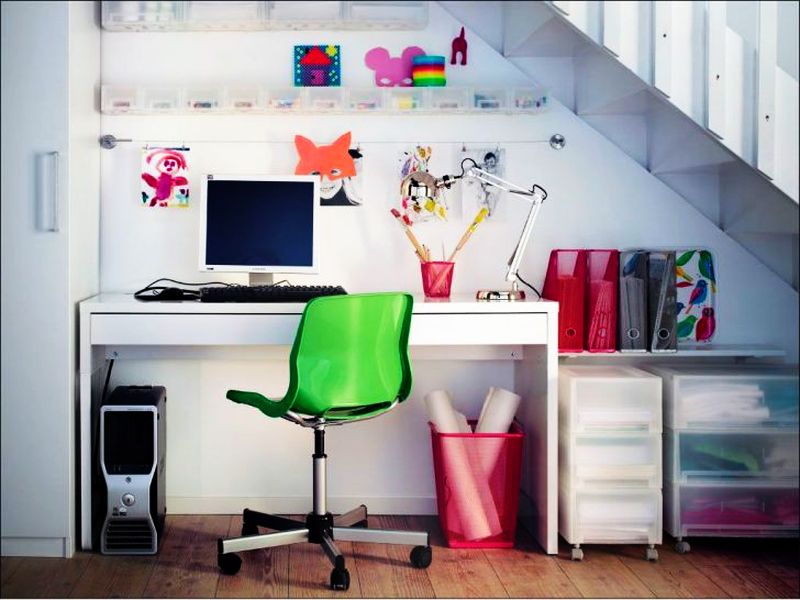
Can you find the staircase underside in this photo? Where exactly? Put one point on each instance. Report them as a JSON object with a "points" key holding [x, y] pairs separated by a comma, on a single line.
{"points": [[670, 144]]}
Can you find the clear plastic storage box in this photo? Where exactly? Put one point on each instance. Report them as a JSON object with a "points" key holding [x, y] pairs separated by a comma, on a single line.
{"points": [[286, 99], [383, 14], [619, 460], [729, 397], [117, 99], [365, 99], [604, 398], [734, 456], [604, 516], [162, 100], [754, 510], [325, 99]]}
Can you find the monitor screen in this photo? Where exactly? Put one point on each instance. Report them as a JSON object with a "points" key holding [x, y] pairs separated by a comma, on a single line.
{"points": [[259, 224]]}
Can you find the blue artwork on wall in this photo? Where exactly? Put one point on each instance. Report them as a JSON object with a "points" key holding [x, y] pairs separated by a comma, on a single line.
{"points": [[317, 66]]}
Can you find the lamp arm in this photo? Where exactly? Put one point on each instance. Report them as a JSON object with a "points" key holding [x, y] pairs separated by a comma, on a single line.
{"points": [[536, 196], [519, 250]]}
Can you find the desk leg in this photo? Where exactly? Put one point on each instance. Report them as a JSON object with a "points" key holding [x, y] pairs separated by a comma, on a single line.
{"points": [[91, 360], [536, 380], [86, 460]]}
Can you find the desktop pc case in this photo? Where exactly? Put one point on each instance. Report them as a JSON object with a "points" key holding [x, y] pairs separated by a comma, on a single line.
{"points": [[132, 457]]}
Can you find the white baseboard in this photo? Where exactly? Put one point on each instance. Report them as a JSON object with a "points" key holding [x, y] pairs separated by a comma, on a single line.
{"points": [[21, 546], [178, 505]]}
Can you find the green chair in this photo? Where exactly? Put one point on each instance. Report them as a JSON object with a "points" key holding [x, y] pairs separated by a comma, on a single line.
{"points": [[349, 362]]}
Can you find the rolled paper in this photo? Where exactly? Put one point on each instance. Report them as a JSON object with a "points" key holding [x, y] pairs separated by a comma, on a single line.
{"points": [[485, 403], [440, 411], [463, 424], [499, 411], [470, 496], [497, 414]]}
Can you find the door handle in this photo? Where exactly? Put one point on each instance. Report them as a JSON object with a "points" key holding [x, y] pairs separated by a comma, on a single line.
{"points": [[47, 191]]}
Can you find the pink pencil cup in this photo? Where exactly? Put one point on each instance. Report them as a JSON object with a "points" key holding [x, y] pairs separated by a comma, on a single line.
{"points": [[437, 276]]}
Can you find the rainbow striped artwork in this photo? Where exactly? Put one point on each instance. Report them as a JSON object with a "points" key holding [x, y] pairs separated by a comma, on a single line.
{"points": [[428, 70]]}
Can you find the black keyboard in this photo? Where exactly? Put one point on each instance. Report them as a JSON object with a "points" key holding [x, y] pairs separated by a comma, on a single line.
{"points": [[268, 293]]}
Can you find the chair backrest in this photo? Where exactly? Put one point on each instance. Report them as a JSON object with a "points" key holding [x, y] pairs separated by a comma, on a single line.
{"points": [[350, 355]]}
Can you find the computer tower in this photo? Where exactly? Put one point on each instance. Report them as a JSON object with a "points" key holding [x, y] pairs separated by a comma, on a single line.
{"points": [[132, 456]]}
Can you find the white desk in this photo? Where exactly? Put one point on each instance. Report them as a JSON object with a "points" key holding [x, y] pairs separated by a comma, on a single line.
{"points": [[113, 325]]}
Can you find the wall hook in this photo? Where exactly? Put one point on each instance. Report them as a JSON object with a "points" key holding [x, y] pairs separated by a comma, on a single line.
{"points": [[557, 141], [110, 141]]}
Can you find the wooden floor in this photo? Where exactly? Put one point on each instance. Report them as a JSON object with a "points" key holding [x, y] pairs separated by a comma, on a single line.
{"points": [[186, 567]]}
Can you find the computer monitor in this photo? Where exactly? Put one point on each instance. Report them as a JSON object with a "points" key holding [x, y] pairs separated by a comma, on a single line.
{"points": [[259, 224]]}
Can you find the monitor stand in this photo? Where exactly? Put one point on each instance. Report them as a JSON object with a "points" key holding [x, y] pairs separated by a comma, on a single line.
{"points": [[261, 279]]}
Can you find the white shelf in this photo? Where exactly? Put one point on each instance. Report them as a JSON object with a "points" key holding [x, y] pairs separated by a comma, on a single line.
{"points": [[137, 100], [710, 351], [243, 15]]}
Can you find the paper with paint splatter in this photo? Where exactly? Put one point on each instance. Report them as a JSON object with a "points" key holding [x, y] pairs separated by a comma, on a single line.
{"points": [[165, 181]]}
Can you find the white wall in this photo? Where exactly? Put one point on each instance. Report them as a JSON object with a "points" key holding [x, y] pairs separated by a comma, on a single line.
{"points": [[598, 198]]}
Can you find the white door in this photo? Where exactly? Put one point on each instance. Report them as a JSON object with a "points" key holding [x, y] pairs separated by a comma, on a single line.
{"points": [[36, 416]]}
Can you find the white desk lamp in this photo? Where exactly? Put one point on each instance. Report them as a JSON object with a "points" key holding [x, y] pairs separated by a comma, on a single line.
{"points": [[536, 196]]}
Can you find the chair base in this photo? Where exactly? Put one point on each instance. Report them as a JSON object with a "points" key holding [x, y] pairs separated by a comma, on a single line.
{"points": [[320, 529]]}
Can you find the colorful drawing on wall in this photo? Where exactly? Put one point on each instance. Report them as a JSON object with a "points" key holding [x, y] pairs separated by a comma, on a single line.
{"points": [[392, 71], [338, 166], [696, 283], [317, 66], [420, 200], [164, 177], [476, 194]]}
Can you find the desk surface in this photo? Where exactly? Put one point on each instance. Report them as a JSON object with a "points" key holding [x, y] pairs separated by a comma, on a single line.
{"points": [[126, 303]]}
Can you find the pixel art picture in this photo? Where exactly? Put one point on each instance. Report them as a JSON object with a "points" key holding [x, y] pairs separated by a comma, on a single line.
{"points": [[164, 177], [317, 66]]}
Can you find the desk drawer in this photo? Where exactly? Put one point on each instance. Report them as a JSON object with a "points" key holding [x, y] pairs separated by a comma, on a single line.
{"points": [[478, 329], [193, 329], [253, 329]]}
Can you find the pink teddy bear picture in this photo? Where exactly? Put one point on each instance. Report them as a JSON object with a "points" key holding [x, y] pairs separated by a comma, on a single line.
{"points": [[392, 71]]}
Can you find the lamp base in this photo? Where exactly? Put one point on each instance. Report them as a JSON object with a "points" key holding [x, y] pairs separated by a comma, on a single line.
{"points": [[513, 295]]}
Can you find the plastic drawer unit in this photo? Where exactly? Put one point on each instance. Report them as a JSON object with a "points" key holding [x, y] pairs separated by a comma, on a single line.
{"points": [[624, 459], [730, 451], [610, 457], [610, 516]]}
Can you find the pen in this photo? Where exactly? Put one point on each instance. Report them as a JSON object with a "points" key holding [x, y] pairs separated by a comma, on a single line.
{"points": [[417, 246], [470, 230]]}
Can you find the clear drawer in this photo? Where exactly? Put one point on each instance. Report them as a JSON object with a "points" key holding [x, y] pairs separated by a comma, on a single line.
{"points": [[729, 397], [757, 510], [627, 460], [610, 516], [695, 455], [608, 398]]}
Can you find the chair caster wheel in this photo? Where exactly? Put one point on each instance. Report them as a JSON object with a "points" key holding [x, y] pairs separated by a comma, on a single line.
{"points": [[249, 529], [577, 554], [682, 547], [340, 580], [651, 554], [229, 564], [421, 556]]}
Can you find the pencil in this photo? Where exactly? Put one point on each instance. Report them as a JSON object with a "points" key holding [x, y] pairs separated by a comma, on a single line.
{"points": [[417, 246], [470, 230]]}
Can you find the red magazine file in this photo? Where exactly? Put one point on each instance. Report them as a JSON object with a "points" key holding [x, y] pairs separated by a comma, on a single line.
{"points": [[565, 283], [601, 305]]}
